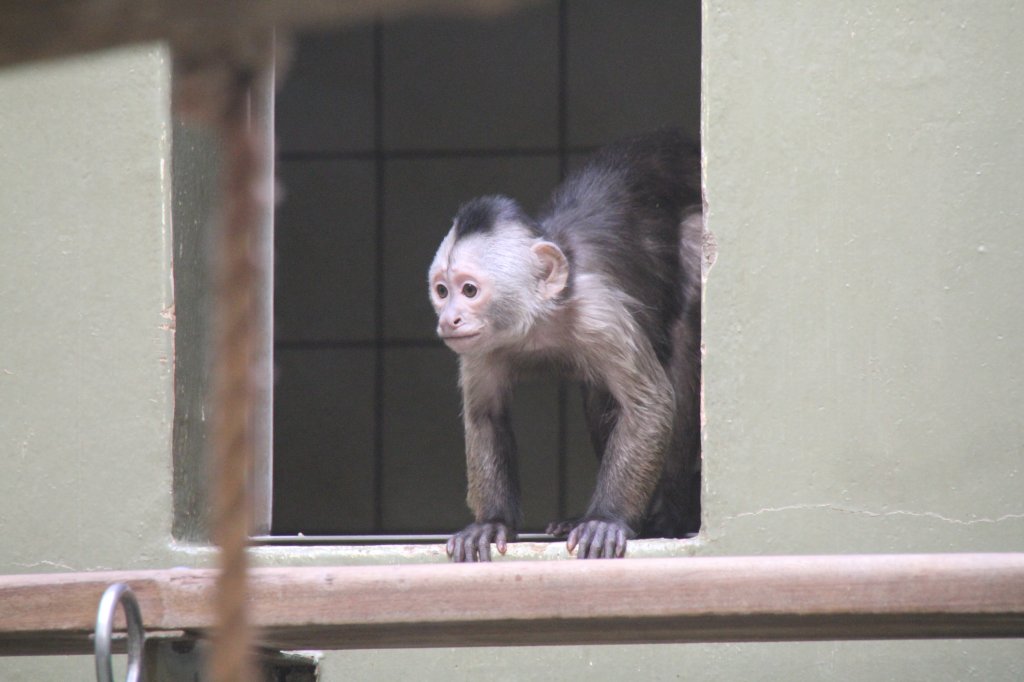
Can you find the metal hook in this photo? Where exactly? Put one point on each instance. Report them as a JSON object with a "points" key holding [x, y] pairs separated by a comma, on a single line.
{"points": [[119, 593]]}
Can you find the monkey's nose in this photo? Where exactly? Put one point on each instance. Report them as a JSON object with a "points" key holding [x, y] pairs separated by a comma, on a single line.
{"points": [[450, 323]]}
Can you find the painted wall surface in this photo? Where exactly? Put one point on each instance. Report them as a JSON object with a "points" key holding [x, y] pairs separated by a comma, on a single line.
{"points": [[863, 324], [85, 299], [87, 327]]}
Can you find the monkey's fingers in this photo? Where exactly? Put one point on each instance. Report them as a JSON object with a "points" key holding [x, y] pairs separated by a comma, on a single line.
{"points": [[471, 548], [614, 543], [586, 536], [502, 539], [620, 543], [473, 543], [595, 539], [456, 543], [610, 548], [561, 529], [573, 539]]}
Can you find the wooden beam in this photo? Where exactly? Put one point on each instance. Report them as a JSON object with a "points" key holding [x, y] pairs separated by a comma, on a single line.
{"points": [[45, 30], [713, 599]]}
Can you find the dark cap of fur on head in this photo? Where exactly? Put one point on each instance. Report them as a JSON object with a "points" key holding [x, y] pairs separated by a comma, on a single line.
{"points": [[480, 215]]}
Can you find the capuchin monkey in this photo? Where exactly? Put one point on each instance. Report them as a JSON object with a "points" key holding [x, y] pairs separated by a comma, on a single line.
{"points": [[604, 287]]}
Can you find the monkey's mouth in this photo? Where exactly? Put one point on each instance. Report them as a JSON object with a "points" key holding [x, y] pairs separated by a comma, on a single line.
{"points": [[460, 337], [461, 343]]}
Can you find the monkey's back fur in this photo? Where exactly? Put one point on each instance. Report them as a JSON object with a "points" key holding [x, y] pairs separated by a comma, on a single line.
{"points": [[633, 214]]}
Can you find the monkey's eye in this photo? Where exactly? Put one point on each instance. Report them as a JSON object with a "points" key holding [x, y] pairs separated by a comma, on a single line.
{"points": [[469, 290], [442, 291]]}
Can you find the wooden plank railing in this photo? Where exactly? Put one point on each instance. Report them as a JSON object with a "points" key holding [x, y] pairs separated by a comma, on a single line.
{"points": [[714, 599]]}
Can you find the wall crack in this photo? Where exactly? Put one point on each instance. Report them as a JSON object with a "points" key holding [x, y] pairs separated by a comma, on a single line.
{"points": [[870, 513]]}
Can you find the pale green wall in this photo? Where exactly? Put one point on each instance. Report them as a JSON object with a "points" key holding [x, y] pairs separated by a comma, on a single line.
{"points": [[863, 323], [865, 373], [86, 326], [86, 330]]}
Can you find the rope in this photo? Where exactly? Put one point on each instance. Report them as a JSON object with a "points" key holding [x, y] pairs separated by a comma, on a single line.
{"points": [[237, 273]]}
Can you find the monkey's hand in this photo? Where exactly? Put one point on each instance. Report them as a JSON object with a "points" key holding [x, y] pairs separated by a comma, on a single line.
{"points": [[560, 529], [598, 538], [473, 543]]}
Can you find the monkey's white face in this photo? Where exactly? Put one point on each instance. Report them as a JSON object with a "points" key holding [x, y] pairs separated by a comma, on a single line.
{"points": [[488, 289], [460, 290]]}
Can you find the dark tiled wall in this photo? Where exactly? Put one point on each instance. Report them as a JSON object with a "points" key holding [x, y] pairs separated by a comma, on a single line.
{"points": [[382, 132]]}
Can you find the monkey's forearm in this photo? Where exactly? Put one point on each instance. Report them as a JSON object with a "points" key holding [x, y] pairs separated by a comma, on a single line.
{"points": [[493, 492], [632, 462], [630, 467], [633, 453]]}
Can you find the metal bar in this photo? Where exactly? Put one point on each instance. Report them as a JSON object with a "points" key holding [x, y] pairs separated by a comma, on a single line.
{"points": [[374, 539]]}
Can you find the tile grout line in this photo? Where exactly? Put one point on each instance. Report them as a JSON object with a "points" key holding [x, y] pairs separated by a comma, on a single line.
{"points": [[379, 311], [563, 128]]}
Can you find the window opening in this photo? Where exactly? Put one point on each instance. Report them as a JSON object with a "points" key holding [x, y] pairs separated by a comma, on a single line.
{"points": [[382, 132]]}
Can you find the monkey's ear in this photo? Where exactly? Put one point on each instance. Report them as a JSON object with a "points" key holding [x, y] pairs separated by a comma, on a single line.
{"points": [[555, 268]]}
